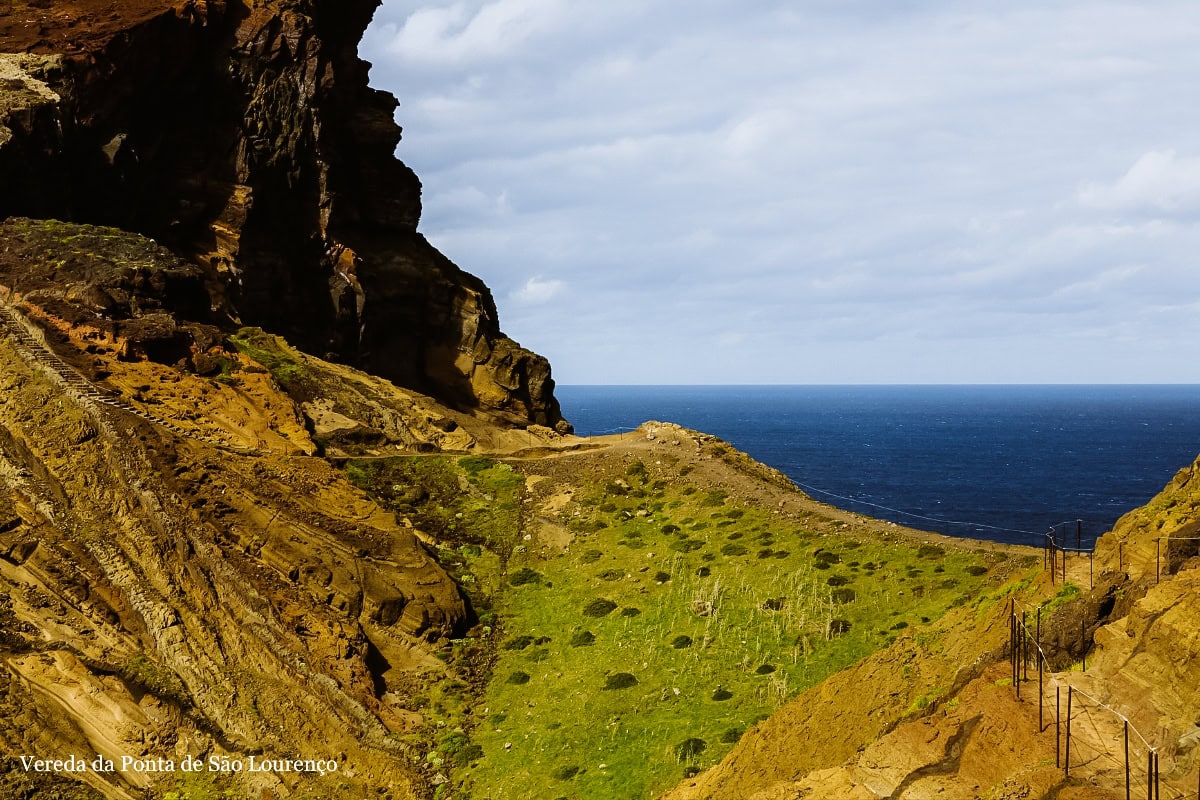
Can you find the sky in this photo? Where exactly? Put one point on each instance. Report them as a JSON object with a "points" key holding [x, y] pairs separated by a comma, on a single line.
{"points": [[814, 191]]}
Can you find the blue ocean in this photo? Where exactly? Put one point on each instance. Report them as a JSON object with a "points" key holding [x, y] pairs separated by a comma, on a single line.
{"points": [[992, 462]]}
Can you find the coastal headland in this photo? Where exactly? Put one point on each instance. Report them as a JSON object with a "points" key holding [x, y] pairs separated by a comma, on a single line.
{"points": [[278, 498]]}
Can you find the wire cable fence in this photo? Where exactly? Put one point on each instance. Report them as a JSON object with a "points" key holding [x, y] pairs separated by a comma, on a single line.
{"points": [[1092, 736], [892, 514], [897, 513], [1054, 558], [622, 430]]}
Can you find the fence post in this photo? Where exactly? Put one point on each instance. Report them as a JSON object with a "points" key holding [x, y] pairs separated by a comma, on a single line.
{"points": [[1079, 533], [1156, 787], [1012, 648], [1058, 726], [1127, 760], [1041, 726], [1016, 658], [1055, 555], [1024, 649], [1067, 760], [1150, 775], [1091, 580]]}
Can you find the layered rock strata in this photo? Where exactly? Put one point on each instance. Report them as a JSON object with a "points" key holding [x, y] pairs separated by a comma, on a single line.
{"points": [[165, 598]]}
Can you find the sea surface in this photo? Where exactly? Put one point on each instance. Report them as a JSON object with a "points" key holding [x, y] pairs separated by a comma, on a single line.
{"points": [[993, 462]]}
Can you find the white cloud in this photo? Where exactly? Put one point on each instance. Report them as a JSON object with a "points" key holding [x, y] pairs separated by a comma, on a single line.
{"points": [[453, 34], [1157, 180], [469, 202], [954, 176], [538, 292]]}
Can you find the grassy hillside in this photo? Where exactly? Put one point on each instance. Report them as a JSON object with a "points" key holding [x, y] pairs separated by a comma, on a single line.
{"points": [[636, 620]]}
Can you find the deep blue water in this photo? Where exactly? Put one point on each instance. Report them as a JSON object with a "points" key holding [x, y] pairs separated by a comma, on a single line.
{"points": [[1020, 458]]}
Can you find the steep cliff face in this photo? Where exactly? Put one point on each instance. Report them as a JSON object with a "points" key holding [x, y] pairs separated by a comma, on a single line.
{"points": [[245, 137]]}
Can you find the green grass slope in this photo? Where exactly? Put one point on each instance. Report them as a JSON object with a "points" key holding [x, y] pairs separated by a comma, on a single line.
{"points": [[634, 622]]}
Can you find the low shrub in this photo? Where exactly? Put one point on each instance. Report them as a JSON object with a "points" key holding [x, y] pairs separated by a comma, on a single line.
{"points": [[619, 680], [600, 607]]}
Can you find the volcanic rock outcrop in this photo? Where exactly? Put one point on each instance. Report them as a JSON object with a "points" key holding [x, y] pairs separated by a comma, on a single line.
{"points": [[245, 137]]}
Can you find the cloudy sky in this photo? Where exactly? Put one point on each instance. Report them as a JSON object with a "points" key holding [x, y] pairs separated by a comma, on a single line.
{"points": [[815, 191]]}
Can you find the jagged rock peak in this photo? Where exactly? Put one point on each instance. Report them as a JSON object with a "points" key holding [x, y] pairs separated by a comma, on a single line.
{"points": [[245, 137]]}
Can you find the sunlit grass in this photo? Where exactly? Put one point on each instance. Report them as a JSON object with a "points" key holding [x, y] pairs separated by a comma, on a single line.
{"points": [[673, 622]]}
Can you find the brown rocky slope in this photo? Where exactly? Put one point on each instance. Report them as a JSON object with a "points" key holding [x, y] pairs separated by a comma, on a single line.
{"points": [[172, 591], [245, 137]]}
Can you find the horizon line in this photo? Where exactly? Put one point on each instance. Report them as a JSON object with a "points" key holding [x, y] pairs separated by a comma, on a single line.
{"points": [[846, 385]]}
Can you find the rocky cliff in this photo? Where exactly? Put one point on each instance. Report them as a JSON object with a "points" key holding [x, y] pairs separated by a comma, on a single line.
{"points": [[167, 594], [245, 137]]}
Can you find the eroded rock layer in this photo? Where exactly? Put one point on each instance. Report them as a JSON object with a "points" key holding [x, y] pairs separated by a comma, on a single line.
{"points": [[246, 138], [166, 598]]}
